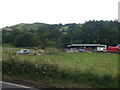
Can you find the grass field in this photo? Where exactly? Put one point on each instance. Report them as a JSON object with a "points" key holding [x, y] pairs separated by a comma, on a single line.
{"points": [[77, 70]]}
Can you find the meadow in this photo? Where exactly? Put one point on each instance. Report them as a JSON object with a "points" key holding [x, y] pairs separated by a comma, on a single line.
{"points": [[63, 69]]}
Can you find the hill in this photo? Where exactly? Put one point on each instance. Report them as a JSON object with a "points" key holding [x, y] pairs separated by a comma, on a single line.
{"points": [[35, 26], [24, 26], [91, 32]]}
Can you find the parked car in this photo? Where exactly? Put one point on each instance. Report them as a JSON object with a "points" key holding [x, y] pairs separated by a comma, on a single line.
{"points": [[81, 50], [24, 51], [114, 49]]}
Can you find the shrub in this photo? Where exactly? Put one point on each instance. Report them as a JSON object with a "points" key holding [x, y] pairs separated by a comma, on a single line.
{"points": [[46, 69]]}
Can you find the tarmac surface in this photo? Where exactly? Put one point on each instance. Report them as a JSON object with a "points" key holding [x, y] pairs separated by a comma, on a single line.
{"points": [[12, 86]]}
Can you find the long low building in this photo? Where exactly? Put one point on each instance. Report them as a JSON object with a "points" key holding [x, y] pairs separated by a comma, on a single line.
{"points": [[97, 47]]}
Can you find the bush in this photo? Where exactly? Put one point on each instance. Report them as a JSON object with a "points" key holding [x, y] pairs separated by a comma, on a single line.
{"points": [[107, 80], [44, 70]]}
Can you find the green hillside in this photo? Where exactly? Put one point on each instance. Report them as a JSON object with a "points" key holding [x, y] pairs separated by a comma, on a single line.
{"points": [[24, 26], [103, 32], [35, 26]]}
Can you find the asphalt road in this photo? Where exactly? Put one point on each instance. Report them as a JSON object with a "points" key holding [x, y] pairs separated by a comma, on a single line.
{"points": [[6, 85]]}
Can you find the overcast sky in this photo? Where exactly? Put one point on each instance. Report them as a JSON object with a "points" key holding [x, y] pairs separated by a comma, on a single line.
{"points": [[56, 11]]}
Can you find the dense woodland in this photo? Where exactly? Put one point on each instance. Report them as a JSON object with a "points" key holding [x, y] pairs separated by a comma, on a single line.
{"points": [[58, 35]]}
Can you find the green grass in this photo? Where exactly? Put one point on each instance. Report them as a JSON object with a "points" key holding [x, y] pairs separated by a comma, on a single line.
{"points": [[99, 62], [64, 69]]}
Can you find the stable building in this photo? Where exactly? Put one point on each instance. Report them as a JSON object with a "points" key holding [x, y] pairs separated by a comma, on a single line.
{"points": [[96, 47]]}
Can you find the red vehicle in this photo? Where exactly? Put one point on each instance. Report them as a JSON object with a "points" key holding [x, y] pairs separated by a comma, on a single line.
{"points": [[114, 49]]}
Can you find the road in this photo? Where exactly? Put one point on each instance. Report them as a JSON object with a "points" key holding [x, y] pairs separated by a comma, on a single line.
{"points": [[7, 85]]}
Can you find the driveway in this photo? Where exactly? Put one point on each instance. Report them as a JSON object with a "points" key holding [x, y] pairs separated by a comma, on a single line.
{"points": [[7, 85]]}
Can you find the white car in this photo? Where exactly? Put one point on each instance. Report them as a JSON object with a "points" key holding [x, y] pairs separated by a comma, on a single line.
{"points": [[24, 51]]}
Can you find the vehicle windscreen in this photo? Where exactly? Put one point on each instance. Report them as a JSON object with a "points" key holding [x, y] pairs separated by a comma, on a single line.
{"points": [[118, 45]]}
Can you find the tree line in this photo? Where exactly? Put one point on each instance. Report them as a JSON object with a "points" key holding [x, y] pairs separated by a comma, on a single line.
{"points": [[91, 32]]}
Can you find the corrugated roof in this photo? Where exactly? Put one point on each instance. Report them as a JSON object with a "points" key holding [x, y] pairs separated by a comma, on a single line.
{"points": [[83, 45]]}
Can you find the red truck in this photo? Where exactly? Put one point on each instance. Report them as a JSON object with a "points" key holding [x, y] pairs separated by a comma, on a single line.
{"points": [[114, 49]]}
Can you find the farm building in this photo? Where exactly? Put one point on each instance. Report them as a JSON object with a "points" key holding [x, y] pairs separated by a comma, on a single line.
{"points": [[97, 47]]}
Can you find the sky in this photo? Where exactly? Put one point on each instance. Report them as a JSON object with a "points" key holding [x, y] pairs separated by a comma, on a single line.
{"points": [[14, 12]]}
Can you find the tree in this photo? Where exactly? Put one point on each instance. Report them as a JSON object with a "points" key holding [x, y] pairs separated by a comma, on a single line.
{"points": [[74, 34], [25, 39]]}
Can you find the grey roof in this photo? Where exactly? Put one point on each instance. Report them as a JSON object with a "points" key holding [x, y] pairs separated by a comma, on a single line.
{"points": [[83, 45]]}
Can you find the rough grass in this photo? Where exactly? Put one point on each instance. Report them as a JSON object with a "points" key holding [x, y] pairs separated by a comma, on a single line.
{"points": [[72, 70]]}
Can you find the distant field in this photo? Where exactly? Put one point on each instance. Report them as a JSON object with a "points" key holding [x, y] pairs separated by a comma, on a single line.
{"points": [[100, 66]]}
